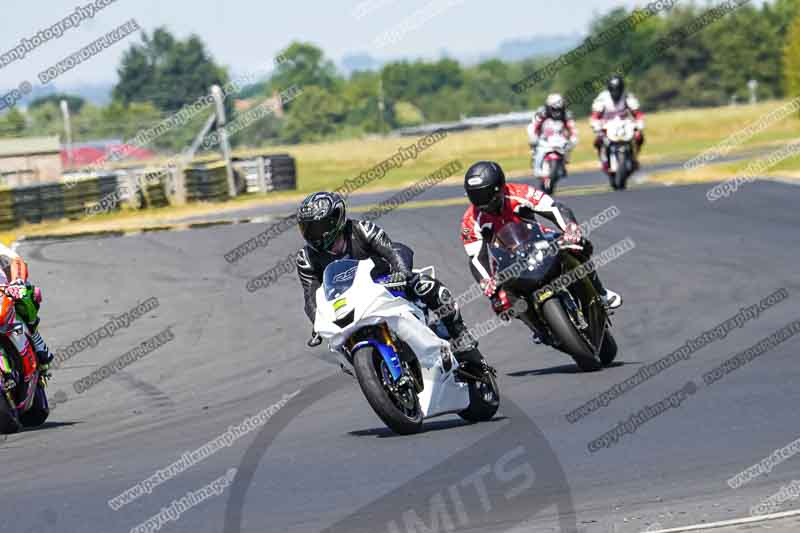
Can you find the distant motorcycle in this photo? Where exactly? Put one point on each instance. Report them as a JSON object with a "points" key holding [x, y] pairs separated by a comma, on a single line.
{"points": [[22, 387], [572, 318], [553, 148], [619, 150], [406, 371]]}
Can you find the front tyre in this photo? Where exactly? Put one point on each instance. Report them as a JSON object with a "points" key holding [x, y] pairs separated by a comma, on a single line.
{"points": [[608, 350], [621, 179], [8, 419], [484, 400], [398, 407], [570, 341], [39, 411]]}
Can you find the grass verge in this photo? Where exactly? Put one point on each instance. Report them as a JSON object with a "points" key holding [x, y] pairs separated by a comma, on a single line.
{"points": [[672, 135]]}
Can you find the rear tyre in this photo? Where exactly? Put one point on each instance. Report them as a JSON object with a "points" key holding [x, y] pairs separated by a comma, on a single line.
{"points": [[38, 413], [400, 410], [8, 421], [484, 400], [571, 341], [608, 350]]}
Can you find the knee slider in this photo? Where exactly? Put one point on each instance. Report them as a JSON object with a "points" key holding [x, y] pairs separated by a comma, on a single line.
{"points": [[424, 284]]}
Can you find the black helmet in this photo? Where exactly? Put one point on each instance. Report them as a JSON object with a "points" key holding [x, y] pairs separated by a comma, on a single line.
{"points": [[484, 183], [321, 219], [616, 87]]}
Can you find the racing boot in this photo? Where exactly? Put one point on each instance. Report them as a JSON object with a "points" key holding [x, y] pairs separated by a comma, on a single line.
{"points": [[43, 354], [611, 299], [465, 345]]}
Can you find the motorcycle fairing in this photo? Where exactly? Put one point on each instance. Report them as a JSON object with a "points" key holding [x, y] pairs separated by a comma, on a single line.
{"points": [[372, 304]]}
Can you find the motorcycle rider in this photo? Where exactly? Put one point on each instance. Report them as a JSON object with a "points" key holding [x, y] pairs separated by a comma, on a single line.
{"points": [[330, 236], [614, 102], [496, 203], [555, 110], [27, 299]]}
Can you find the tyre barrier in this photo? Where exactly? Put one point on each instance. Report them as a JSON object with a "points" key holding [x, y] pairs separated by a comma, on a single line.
{"points": [[73, 196]]}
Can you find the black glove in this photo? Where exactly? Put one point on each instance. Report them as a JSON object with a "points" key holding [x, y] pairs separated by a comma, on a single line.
{"points": [[315, 340]]}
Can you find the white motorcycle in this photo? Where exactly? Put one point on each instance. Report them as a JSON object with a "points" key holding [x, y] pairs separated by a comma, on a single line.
{"points": [[553, 150], [619, 134], [407, 372]]}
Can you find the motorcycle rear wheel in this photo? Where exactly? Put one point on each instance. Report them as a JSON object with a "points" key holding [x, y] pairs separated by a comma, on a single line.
{"points": [[400, 411], [571, 341]]}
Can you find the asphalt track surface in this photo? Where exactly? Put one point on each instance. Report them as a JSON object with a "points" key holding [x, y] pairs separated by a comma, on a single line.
{"points": [[324, 461]]}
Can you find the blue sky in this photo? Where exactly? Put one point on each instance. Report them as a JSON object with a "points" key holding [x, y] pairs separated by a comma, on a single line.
{"points": [[245, 34]]}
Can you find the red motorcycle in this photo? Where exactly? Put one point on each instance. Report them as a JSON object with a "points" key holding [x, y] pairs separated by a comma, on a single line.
{"points": [[23, 401]]}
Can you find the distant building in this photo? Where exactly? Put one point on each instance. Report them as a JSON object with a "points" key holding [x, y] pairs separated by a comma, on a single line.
{"points": [[99, 152], [30, 160]]}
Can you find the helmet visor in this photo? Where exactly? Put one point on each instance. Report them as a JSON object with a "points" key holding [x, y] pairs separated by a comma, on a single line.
{"points": [[320, 234], [485, 198]]}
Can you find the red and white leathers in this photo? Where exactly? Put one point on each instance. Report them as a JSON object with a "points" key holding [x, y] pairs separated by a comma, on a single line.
{"points": [[521, 203], [543, 126], [604, 108]]}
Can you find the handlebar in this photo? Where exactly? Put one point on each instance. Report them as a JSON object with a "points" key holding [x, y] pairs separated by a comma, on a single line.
{"points": [[394, 285]]}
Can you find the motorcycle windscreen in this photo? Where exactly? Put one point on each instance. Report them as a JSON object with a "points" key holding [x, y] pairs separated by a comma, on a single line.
{"points": [[518, 234], [338, 277], [516, 256]]}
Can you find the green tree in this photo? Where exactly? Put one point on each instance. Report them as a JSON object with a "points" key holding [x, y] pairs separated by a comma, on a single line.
{"points": [[360, 95], [315, 116], [304, 65], [12, 124], [75, 103], [45, 120], [407, 114], [791, 59], [167, 72]]}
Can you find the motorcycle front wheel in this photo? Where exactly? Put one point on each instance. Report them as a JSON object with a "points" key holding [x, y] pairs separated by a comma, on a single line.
{"points": [[608, 350], [397, 407], [569, 340], [8, 420], [39, 411], [621, 179], [555, 175]]}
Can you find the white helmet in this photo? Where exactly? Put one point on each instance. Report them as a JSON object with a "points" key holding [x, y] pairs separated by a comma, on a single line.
{"points": [[555, 107]]}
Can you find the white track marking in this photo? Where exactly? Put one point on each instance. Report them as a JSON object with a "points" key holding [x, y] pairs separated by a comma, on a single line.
{"points": [[735, 522]]}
